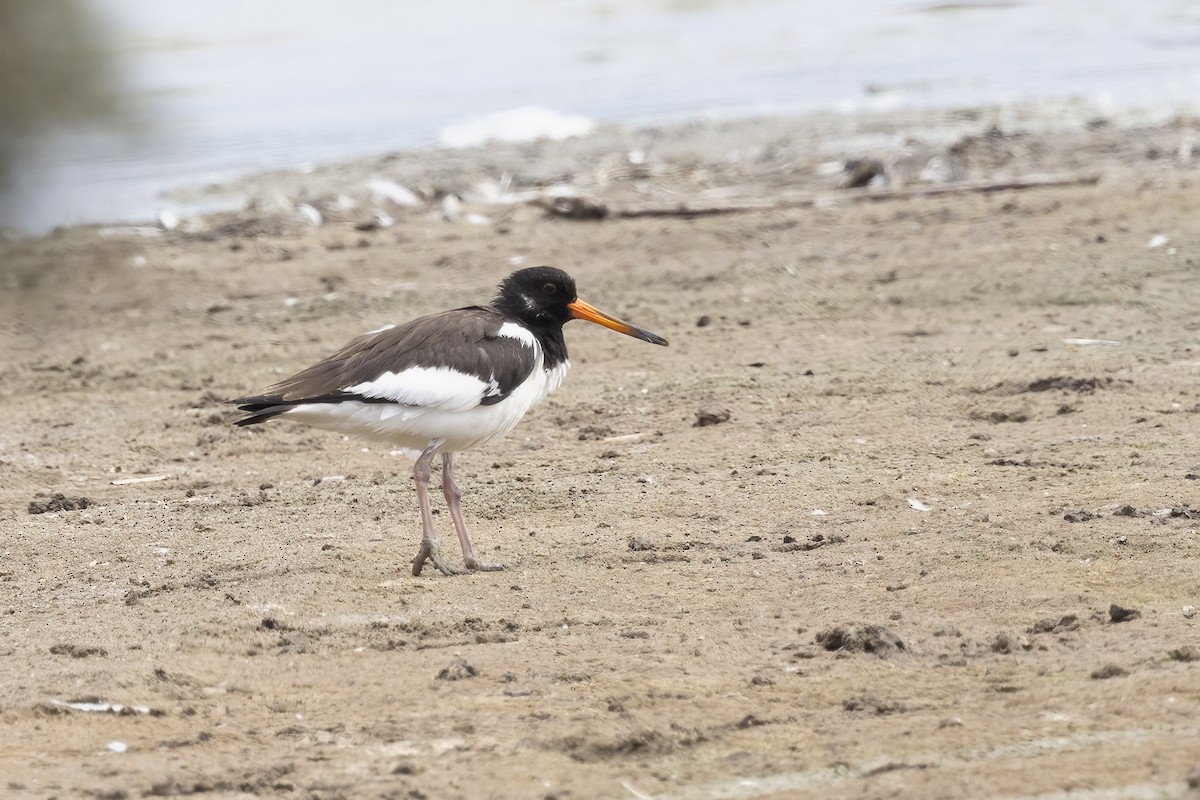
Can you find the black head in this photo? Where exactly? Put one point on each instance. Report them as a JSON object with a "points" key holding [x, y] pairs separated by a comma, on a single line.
{"points": [[537, 296], [544, 297]]}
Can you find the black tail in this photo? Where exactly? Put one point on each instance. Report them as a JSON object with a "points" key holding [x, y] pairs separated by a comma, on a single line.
{"points": [[261, 408]]}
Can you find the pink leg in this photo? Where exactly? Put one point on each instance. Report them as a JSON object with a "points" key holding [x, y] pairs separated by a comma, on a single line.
{"points": [[430, 550], [454, 502]]}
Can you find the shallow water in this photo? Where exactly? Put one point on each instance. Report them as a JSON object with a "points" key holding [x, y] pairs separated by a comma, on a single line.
{"points": [[225, 88]]}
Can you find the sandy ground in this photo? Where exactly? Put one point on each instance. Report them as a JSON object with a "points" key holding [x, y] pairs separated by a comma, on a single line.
{"points": [[961, 429]]}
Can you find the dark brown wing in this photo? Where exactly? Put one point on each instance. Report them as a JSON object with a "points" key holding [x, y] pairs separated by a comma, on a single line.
{"points": [[452, 360]]}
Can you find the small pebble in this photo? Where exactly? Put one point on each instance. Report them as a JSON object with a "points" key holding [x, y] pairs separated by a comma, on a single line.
{"points": [[1118, 613]]}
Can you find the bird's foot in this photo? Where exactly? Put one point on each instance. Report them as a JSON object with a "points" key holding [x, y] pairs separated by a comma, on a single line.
{"points": [[431, 551], [474, 564]]}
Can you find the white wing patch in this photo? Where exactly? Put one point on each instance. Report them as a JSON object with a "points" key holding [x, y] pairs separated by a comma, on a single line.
{"points": [[412, 428], [427, 387], [387, 327], [511, 330]]}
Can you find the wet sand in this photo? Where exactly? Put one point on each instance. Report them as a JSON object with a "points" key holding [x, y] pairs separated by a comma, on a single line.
{"points": [[961, 448]]}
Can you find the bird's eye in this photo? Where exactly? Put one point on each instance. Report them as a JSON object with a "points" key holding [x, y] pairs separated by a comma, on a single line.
{"points": [[549, 288]]}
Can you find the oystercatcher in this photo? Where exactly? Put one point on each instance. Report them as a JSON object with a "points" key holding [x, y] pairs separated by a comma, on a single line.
{"points": [[443, 383]]}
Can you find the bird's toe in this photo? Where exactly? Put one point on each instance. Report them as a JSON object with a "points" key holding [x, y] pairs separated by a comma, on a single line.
{"points": [[430, 551], [475, 564]]}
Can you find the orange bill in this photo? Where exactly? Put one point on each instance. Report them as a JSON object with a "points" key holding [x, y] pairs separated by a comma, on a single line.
{"points": [[582, 310]]}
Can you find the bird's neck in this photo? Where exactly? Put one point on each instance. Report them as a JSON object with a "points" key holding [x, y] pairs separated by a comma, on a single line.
{"points": [[548, 333], [554, 345]]}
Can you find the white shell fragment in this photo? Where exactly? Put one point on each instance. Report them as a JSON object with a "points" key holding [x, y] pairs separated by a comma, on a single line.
{"points": [[141, 479], [451, 207], [309, 214], [383, 189], [101, 708]]}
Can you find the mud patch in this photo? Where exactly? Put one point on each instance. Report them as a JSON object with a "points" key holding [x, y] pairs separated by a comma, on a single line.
{"points": [[1061, 383], [267, 781], [59, 502], [711, 414], [457, 670], [1109, 671], [1063, 624], [874, 639], [77, 650], [870, 704], [642, 743]]}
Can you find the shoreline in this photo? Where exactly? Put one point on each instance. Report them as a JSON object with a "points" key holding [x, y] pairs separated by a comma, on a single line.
{"points": [[800, 148], [729, 158]]}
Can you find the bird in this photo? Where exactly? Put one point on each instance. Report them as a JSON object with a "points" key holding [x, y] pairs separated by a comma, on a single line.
{"points": [[443, 383]]}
